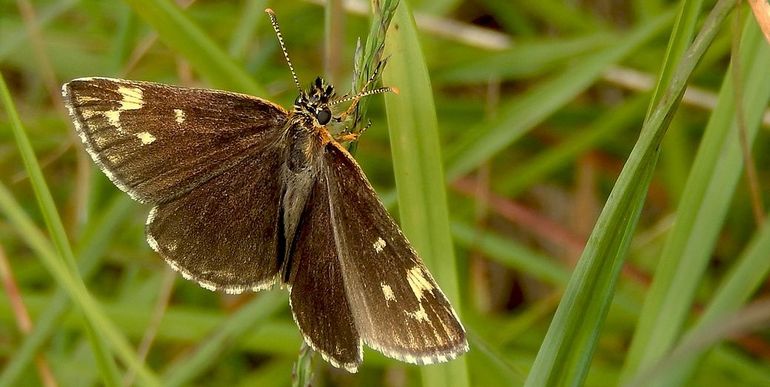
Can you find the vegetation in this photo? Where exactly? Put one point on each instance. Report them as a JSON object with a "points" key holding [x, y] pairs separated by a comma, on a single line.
{"points": [[586, 182]]}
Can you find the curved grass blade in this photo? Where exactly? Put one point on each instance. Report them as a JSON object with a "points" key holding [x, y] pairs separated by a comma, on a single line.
{"points": [[94, 244], [209, 352], [62, 264], [745, 278], [704, 206], [521, 114], [180, 33], [419, 175], [565, 355]]}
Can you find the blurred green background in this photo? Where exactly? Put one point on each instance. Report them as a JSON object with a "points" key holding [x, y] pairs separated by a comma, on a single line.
{"points": [[539, 111]]}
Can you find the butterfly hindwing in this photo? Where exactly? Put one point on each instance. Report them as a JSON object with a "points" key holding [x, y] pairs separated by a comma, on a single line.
{"points": [[224, 233], [318, 301], [398, 308], [156, 142]]}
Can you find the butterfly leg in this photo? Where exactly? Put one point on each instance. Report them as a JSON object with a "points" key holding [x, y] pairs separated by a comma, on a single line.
{"points": [[348, 136]]}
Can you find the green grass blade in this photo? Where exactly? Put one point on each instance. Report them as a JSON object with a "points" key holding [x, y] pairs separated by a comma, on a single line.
{"points": [[252, 16], [704, 205], [746, 277], [511, 254], [419, 175], [523, 60], [62, 267], [182, 35], [95, 243], [207, 355], [684, 29], [602, 129], [520, 115], [105, 362], [565, 354]]}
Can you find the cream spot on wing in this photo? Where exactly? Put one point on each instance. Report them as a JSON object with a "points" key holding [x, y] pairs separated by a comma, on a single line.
{"points": [[379, 245], [387, 291], [114, 158], [146, 138], [132, 98], [84, 99], [113, 117], [100, 141], [419, 314], [418, 282], [179, 115], [88, 114]]}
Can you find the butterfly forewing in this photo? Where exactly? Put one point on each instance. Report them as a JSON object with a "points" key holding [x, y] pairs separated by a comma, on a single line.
{"points": [[156, 142], [207, 158], [398, 307], [318, 300]]}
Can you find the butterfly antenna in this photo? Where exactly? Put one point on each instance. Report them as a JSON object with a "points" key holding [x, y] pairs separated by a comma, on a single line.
{"points": [[365, 93], [274, 22]]}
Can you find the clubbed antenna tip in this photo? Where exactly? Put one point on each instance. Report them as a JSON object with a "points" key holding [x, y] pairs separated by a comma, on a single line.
{"points": [[274, 22]]}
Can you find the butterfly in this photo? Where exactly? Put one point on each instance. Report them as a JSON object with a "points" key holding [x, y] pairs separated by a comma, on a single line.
{"points": [[247, 195]]}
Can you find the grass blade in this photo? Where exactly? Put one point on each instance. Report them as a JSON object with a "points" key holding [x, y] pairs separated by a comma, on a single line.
{"points": [[62, 267], [90, 255], [419, 175], [247, 317], [565, 355], [748, 275], [520, 115], [704, 205], [183, 36]]}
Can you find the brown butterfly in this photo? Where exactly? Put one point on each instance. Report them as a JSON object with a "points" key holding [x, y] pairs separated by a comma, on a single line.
{"points": [[247, 195]]}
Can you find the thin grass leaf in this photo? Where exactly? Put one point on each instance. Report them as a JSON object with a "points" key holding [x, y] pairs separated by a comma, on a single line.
{"points": [[523, 60], [511, 254], [248, 317], [182, 35], [745, 278], [419, 175], [704, 205], [566, 15], [252, 16], [45, 15], [684, 29], [681, 37], [603, 128], [95, 242], [564, 357], [735, 360], [104, 360], [518, 116], [302, 370], [62, 265]]}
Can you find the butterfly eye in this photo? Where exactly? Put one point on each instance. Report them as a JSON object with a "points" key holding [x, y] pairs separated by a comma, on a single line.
{"points": [[324, 116]]}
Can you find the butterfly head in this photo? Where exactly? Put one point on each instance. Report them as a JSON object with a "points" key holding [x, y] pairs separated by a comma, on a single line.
{"points": [[315, 101]]}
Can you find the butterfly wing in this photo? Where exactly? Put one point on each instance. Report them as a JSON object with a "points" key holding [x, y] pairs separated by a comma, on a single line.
{"points": [[317, 299], [398, 308], [224, 233], [208, 160], [156, 142]]}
